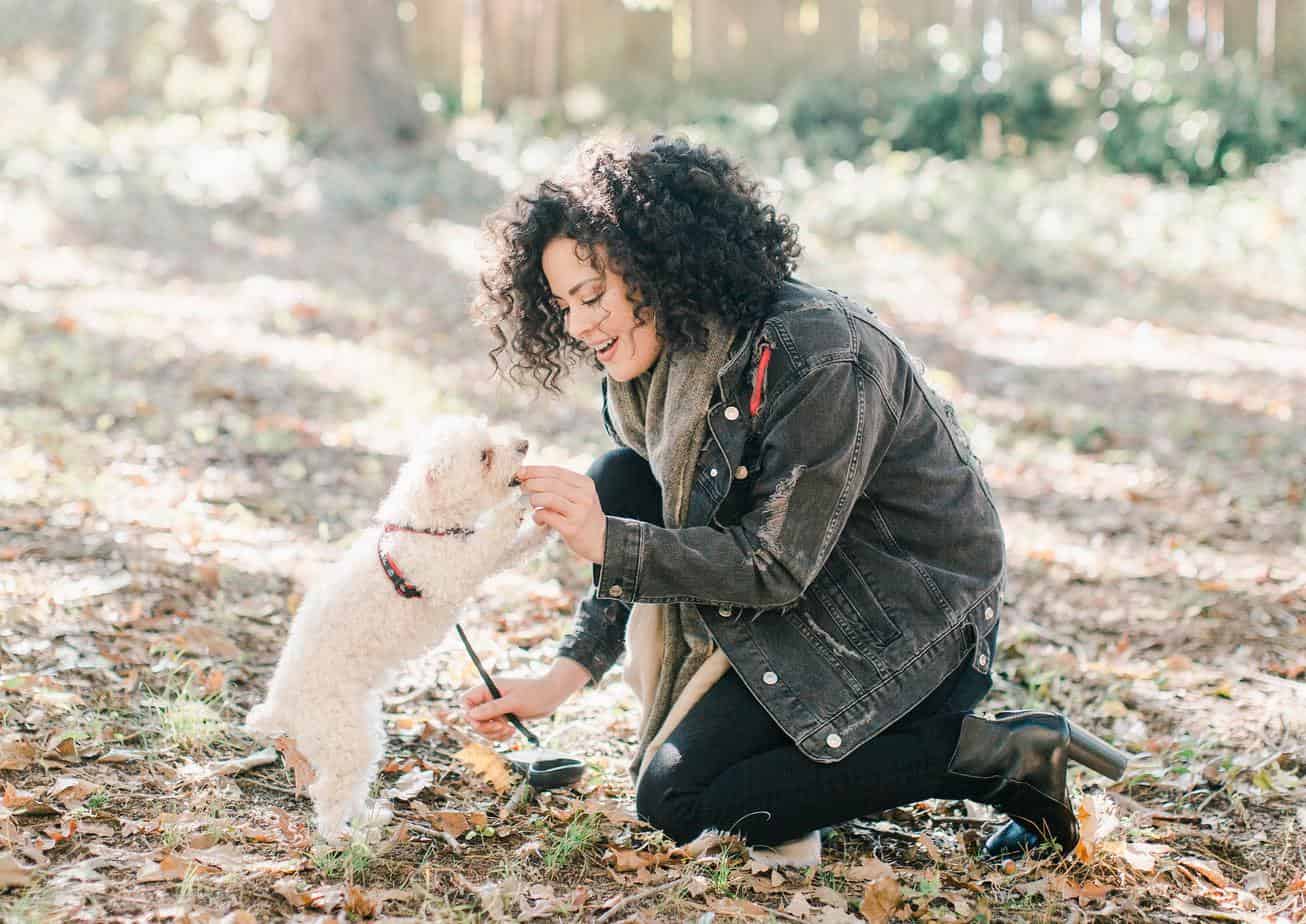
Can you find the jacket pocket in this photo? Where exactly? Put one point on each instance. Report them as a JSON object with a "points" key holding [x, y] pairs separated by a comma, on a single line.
{"points": [[851, 603]]}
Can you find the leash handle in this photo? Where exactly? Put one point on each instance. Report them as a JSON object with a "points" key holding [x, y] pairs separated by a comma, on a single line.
{"points": [[494, 689]]}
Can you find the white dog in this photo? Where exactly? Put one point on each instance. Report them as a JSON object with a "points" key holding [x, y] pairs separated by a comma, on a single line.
{"points": [[453, 518]]}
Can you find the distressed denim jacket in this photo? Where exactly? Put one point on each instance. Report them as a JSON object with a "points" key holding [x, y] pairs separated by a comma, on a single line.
{"points": [[841, 542]]}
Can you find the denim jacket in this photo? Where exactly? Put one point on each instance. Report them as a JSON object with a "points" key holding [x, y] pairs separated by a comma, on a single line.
{"points": [[841, 542]]}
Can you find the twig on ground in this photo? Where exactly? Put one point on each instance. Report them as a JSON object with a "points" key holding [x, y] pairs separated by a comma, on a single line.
{"points": [[439, 835], [629, 900], [520, 795], [963, 820], [263, 784]]}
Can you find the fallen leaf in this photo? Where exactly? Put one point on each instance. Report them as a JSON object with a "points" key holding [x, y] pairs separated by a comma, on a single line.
{"points": [[20, 800], [1097, 821], [1216, 914], [738, 907], [15, 753], [880, 898], [1090, 891], [72, 791], [614, 812], [358, 902], [292, 893], [13, 875], [118, 756], [1206, 869], [410, 784], [868, 870], [297, 762], [168, 868], [200, 639], [798, 906], [487, 763], [627, 861], [1141, 857], [831, 897], [455, 824]]}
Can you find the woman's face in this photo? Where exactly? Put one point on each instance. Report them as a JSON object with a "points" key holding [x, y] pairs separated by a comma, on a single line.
{"points": [[599, 312]]}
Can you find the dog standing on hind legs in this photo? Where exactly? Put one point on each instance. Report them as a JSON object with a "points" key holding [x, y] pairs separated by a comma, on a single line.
{"points": [[453, 518]]}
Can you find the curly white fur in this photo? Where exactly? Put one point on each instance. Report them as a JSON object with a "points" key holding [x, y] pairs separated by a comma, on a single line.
{"points": [[353, 629]]}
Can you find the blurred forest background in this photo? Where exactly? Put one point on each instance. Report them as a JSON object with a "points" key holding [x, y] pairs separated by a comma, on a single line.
{"points": [[238, 242], [1198, 88]]}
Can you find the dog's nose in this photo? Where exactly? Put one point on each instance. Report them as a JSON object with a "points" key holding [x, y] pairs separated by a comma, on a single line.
{"points": [[522, 445]]}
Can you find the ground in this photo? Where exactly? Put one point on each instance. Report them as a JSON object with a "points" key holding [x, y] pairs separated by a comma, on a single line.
{"points": [[213, 343]]}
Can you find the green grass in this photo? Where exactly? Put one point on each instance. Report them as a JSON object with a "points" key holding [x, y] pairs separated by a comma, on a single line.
{"points": [[187, 722], [346, 862], [581, 834], [35, 906]]}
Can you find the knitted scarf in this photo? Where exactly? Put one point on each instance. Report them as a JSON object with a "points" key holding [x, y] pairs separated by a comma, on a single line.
{"points": [[662, 415]]}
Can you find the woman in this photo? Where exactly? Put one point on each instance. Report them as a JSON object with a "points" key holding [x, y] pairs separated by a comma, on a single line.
{"points": [[794, 540]]}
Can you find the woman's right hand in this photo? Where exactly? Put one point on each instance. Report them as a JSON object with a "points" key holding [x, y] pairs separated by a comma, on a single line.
{"points": [[525, 697]]}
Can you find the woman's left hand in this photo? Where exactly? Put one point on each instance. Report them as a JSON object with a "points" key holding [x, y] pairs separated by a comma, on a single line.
{"points": [[568, 503]]}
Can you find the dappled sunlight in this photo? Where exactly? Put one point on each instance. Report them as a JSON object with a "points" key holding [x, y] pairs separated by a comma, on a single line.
{"points": [[218, 332], [460, 246]]}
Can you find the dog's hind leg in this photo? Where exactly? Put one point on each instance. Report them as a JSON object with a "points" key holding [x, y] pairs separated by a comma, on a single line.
{"points": [[346, 766]]}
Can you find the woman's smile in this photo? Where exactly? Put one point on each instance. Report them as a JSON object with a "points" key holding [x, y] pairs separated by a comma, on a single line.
{"points": [[598, 310]]}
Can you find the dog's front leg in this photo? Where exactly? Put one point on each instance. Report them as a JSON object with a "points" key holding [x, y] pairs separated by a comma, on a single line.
{"points": [[528, 539]]}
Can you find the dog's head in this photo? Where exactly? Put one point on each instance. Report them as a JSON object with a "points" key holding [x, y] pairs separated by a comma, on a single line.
{"points": [[459, 468]]}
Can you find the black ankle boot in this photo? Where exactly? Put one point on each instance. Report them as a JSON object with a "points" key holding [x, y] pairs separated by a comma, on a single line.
{"points": [[1019, 761]]}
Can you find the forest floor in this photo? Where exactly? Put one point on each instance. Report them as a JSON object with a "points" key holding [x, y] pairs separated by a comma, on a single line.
{"points": [[213, 343]]}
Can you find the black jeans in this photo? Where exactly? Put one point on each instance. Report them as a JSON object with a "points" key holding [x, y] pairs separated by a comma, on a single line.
{"points": [[728, 766]]}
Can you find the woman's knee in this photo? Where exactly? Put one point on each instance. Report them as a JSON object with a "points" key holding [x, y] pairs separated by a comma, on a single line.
{"points": [[664, 804]]}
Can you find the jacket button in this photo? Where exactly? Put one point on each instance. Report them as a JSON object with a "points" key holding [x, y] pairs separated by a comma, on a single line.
{"points": [[714, 472], [833, 741], [723, 611], [732, 413], [742, 472], [983, 660], [615, 590], [770, 678], [988, 614]]}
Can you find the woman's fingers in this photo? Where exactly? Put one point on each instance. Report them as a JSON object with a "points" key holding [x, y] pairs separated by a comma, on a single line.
{"points": [[475, 696], [495, 729], [550, 501], [568, 489], [527, 472], [552, 519]]}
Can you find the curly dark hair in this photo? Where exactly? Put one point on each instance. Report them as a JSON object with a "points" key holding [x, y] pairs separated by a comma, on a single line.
{"points": [[682, 225]]}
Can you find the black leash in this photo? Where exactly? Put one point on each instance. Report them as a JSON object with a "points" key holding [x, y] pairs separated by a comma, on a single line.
{"points": [[494, 690]]}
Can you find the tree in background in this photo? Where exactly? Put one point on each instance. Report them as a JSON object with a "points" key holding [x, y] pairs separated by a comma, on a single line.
{"points": [[341, 66]]}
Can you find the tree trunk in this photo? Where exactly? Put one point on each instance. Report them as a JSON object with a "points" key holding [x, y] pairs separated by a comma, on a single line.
{"points": [[341, 66]]}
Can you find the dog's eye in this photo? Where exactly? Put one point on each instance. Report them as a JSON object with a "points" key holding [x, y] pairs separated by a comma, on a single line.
{"points": [[487, 457]]}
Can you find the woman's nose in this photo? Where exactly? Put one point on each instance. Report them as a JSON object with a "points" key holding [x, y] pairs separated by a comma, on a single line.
{"points": [[579, 321]]}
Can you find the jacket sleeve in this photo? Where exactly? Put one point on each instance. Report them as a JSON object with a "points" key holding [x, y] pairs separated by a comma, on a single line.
{"points": [[597, 639], [821, 441], [598, 636]]}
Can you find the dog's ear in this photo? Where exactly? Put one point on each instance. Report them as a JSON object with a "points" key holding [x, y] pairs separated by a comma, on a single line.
{"points": [[487, 460], [438, 468]]}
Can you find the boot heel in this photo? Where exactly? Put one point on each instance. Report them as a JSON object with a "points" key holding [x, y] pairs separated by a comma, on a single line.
{"points": [[1088, 749]]}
